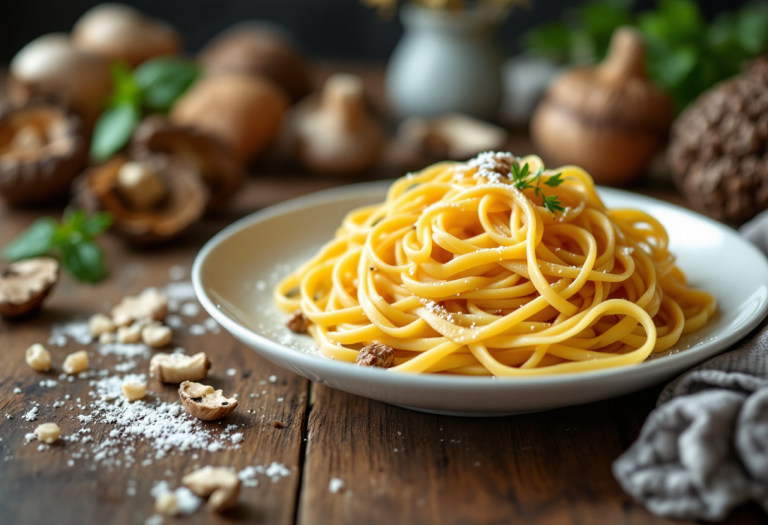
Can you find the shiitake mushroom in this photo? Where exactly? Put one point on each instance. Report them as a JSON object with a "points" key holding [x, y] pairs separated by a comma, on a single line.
{"points": [[203, 152], [153, 200], [42, 149], [262, 49], [120, 32]]}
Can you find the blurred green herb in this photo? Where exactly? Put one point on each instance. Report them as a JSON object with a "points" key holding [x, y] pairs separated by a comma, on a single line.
{"points": [[686, 55], [72, 241], [153, 87]]}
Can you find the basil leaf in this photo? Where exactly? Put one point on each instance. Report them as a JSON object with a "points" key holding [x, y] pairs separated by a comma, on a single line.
{"points": [[84, 261], [35, 241], [113, 130], [126, 90], [164, 80], [97, 223]]}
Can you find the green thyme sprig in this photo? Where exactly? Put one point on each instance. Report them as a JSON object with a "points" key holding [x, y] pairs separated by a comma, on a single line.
{"points": [[523, 179]]}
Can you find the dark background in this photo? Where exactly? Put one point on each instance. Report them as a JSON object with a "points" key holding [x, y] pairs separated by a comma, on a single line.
{"points": [[329, 29]]}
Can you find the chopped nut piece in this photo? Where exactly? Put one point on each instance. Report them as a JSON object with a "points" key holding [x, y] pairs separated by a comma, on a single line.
{"points": [[156, 335], [175, 368], [134, 390], [48, 432], [76, 362], [166, 503], [298, 323], [150, 304], [278, 424], [140, 185], [38, 357], [100, 324], [221, 484], [25, 284], [107, 338], [129, 334], [205, 403], [378, 355]]}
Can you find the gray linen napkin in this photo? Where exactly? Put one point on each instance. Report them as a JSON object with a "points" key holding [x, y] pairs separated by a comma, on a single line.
{"points": [[704, 448]]}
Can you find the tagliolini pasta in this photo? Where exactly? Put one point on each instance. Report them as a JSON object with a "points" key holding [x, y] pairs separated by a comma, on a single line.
{"points": [[496, 267]]}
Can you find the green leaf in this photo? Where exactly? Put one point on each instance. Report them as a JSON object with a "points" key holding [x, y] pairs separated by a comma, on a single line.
{"points": [[164, 80], [674, 65], [35, 241], [125, 88], [752, 28], [97, 224], [555, 180], [551, 41], [84, 260], [113, 130]]}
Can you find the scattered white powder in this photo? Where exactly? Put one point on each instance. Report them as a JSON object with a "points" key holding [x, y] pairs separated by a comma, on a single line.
{"points": [[155, 519], [187, 501], [273, 379], [232, 372], [211, 325], [183, 291], [174, 321], [237, 438], [261, 286], [77, 331], [17, 390], [31, 415], [197, 329], [48, 383], [29, 436], [176, 273], [190, 309], [276, 471], [335, 485], [125, 350]]}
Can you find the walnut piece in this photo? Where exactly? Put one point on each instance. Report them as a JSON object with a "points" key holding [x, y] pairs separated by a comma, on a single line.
{"points": [[176, 368], [100, 324], [156, 335], [205, 403], [167, 504], [76, 362], [48, 432], [130, 334], [38, 358], [378, 355], [149, 304], [297, 323], [25, 284], [221, 485]]}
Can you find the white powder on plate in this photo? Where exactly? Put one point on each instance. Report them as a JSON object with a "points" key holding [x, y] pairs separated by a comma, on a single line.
{"points": [[335, 485]]}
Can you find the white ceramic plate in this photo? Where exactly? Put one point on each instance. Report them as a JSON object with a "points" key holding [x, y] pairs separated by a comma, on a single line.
{"points": [[235, 271]]}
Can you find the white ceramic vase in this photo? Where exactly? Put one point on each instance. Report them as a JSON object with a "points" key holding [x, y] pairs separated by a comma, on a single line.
{"points": [[446, 62]]}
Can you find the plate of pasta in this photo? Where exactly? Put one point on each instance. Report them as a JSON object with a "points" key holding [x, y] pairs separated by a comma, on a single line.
{"points": [[489, 287]]}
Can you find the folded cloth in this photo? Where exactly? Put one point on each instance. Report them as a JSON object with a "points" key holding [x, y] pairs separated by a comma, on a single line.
{"points": [[704, 448]]}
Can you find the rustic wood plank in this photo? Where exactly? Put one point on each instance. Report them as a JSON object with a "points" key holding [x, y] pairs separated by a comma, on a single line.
{"points": [[404, 467], [40, 487]]}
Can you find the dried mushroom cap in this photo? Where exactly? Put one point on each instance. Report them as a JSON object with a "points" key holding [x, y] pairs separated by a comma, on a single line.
{"points": [[203, 152], [719, 147], [456, 137], [149, 304], [120, 32], [176, 368], [42, 148], [378, 355], [98, 190], [258, 48], [25, 285], [205, 403], [221, 484]]}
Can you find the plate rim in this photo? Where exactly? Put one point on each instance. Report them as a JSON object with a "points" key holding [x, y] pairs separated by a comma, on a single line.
{"points": [[343, 370]]}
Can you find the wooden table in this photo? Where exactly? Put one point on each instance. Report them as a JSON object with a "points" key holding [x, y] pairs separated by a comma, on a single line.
{"points": [[397, 466]]}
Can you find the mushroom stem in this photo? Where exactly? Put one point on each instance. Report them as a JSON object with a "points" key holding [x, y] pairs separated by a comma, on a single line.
{"points": [[626, 57], [343, 95]]}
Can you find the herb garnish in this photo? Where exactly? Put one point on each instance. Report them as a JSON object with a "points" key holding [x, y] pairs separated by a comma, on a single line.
{"points": [[523, 180], [72, 241]]}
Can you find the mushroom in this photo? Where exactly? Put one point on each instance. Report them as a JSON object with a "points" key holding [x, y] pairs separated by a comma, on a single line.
{"points": [[120, 32], [153, 200], [24, 285], [335, 132], [258, 48], [43, 147], [378, 355], [609, 119], [244, 112], [203, 152], [51, 66], [176, 368], [205, 403], [221, 484], [457, 137], [149, 304]]}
